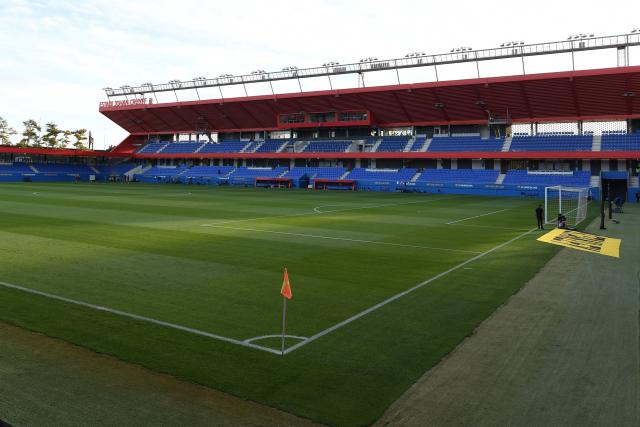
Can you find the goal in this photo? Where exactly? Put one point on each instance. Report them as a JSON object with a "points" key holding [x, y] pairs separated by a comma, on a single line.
{"points": [[569, 201]]}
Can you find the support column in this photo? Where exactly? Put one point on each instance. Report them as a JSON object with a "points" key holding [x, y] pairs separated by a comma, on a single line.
{"points": [[438, 163], [454, 163], [476, 164]]}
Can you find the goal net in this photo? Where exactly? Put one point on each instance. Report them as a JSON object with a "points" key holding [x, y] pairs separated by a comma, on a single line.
{"points": [[568, 201]]}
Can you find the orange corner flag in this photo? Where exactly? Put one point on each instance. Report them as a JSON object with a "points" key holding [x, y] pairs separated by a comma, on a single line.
{"points": [[286, 286]]}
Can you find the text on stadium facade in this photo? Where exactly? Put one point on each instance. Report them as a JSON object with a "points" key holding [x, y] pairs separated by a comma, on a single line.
{"points": [[126, 102]]}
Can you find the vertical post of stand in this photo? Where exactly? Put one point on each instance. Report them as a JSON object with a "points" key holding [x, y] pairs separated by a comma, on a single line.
{"points": [[284, 320], [602, 227], [609, 197]]}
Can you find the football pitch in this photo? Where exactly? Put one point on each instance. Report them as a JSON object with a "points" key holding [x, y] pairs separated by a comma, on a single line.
{"points": [[186, 279]]}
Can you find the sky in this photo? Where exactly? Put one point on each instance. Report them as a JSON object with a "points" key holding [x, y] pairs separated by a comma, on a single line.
{"points": [[57, 55]]}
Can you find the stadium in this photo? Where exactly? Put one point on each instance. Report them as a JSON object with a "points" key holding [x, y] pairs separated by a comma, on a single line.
{"points": [[143, 284]]}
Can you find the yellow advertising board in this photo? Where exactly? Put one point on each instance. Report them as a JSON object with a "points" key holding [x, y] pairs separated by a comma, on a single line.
{"points": [[583, 242]]}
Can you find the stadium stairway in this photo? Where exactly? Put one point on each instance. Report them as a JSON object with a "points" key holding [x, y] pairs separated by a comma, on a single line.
{"points": [[95, 170], [507, 144], [300, 146], [256, 146], [409, 145], [501, 178], [374, 149], [138, 170], [162, 148], [415, 177], [33, 168], [597, 143], [282, 147], [426, 145], [594, 181]]}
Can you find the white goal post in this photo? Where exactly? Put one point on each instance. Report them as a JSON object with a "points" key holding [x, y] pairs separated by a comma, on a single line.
{"points": [[568, 201]]}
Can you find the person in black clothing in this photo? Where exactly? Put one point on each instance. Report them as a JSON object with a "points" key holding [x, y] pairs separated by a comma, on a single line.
{"points": [[562, 221], [539, 216]]}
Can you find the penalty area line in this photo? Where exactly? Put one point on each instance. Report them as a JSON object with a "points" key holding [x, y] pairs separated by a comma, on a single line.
{"points": [[477, 216], [142, 318], [402, 294]]}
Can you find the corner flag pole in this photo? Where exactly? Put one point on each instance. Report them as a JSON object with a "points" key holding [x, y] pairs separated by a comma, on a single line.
{"points": [[286, 293], [284, 322]]}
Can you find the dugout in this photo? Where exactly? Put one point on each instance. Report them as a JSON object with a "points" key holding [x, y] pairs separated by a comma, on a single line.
{"points": [[273, 182]]}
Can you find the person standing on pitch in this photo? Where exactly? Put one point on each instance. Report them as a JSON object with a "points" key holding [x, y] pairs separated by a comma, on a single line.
{"points": [[539, 217]]}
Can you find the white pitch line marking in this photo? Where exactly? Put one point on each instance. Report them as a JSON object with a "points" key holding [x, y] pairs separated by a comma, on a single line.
{"points": [[401, 294], [495, 227], [142, 318], [477, 216], [345, 239], [317, 212], [264, 337]]}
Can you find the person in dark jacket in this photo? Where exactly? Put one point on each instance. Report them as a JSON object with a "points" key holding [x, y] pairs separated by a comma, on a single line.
{"points": [[539, 217]]}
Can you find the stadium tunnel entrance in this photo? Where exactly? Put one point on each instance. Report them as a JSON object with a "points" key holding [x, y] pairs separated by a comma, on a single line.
{"points": [[615, 184]]}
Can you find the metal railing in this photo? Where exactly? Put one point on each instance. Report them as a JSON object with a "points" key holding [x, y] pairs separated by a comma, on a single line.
{"points": [[371, 65]]}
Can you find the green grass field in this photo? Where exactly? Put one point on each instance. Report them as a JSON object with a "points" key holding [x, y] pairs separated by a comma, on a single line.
{"points": [[211, 259]]}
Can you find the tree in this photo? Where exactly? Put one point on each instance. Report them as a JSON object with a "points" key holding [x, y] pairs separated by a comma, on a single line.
{"points": [[80, 135], [5, 132], [51, 135], [31, 134], [65, 138]]}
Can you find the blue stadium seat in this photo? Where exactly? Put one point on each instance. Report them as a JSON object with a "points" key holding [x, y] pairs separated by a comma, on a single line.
{"points": [[464, 143], [392, 144], [621, 142], [271, 145], [330, 146], [317, 172], [382, 174], [548, 178], [254, 172], [232, 146], [182, 147], [552, 143], [459, 176], [152, 147], [13, 168], [63, 168]]}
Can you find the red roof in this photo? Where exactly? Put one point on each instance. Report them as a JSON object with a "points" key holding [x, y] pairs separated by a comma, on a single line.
{"points": [[576, 95]]}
